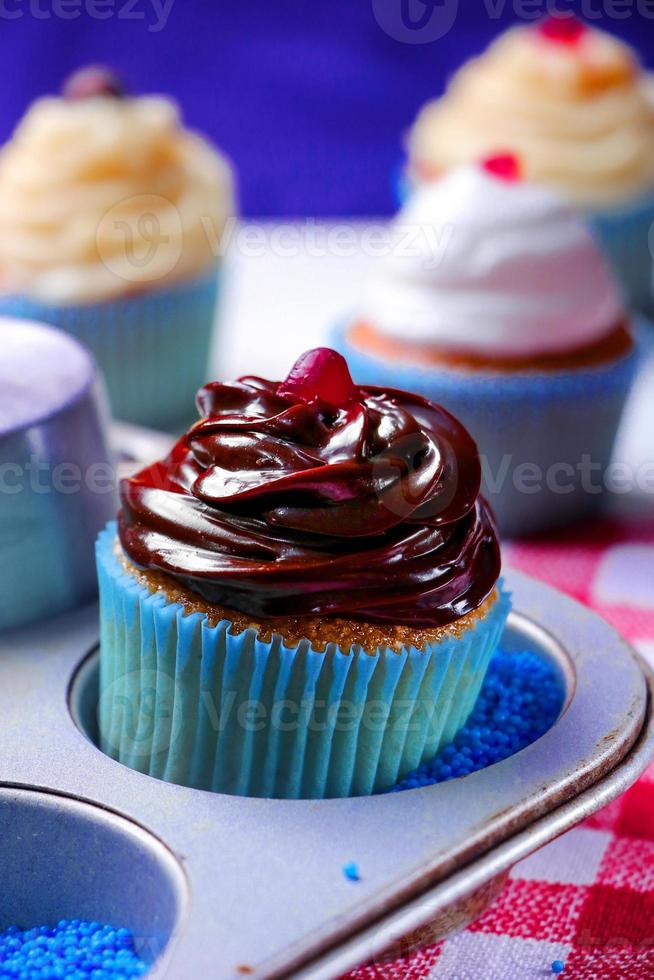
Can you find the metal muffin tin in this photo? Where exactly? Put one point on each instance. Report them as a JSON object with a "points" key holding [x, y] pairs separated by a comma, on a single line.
{"points": [[225, 887]]}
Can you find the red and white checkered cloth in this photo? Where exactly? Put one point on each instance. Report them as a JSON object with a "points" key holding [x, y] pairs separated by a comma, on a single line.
{"points": [[586, 899]]}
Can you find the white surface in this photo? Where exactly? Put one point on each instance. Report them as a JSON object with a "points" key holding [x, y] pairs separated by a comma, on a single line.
{"points": [[277, 305]]}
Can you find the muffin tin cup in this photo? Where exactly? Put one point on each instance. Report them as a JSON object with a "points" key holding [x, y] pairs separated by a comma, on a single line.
{"points": [[62, 858], [226, 886], [546, 440], [152, 347], [204, 707]]}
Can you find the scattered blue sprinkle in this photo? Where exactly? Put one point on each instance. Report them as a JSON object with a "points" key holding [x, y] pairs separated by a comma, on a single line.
{"points": [[70, 949], [351, 871], [521, 699], [558, 966]]}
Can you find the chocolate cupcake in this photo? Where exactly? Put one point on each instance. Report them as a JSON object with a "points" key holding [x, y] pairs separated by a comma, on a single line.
{"points": [[303, 598]]}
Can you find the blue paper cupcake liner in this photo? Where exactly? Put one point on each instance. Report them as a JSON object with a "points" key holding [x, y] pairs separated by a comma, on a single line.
{"points": [[152, 348], [545, 439], [202, 706], [626, 236]]}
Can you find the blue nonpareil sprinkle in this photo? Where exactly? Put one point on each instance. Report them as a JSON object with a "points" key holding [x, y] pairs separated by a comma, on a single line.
{"points": [[351, 871], [71, 948], [558, 966], [520, 700]]}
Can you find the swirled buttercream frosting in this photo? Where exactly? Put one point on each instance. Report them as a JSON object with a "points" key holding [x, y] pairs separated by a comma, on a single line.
{"points": [[486, 264], [571, 101], [313, 496], [102, 195]]}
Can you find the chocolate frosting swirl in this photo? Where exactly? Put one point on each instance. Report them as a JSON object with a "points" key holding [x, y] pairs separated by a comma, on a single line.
{"points": [[313, 498]]}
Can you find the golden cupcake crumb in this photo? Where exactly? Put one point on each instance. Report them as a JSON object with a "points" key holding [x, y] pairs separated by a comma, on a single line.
{"points": [[319, 630]]}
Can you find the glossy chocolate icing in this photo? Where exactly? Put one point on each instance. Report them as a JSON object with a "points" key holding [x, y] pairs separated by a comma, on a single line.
{"points": [[315, 497]]}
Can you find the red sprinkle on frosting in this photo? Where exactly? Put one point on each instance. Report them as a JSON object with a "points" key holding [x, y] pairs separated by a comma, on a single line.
{"points": [[506, 166], [562, 29], [320, 373]]}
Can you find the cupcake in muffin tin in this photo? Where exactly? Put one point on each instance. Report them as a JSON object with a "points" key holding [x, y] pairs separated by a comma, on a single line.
{"points": [[505, 312], [303, 598], [111, 215], [578, 109]]}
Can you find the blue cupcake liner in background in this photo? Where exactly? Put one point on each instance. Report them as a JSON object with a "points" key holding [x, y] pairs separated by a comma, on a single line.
{"points": [[626, 236], [526, 424], [402, 185], [201, 706], [152, 348]]}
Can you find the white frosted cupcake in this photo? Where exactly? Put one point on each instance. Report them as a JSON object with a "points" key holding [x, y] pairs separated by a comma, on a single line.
{"points": [[504, 311], [577, 108], [111, 215]]}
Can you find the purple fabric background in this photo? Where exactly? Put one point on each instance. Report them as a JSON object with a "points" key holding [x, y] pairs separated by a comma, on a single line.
{"points": [[310, 99]]}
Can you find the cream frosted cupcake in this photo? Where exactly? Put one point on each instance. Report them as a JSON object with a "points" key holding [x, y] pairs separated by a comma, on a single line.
{"points": [[111, 214], [303, 598], [506, 313], [577, 108]]}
